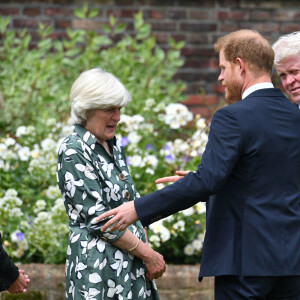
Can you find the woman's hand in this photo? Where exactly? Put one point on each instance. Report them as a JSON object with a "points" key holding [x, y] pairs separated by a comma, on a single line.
{"points": [[153, 260], [156, 266], [180, 174]]}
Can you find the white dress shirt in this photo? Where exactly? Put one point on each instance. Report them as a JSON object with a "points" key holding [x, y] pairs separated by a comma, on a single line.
{"points": [[258, 86]]}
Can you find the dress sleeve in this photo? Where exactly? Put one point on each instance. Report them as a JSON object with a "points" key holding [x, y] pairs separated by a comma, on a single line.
{"points": [[8, 271], [78, 179]]}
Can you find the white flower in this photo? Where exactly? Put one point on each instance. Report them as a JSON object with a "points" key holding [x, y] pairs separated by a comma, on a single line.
{"points": [[10, 141], [155, 240], [67, 130], [11, 193], [30, 129], [40, 205], [165, 234], [200, 207], [149, 102], [3, 149], [48, 144], [138, 119], [177, 115], [137, 161], [197, 244], [156, 227], [201, 124], [174, 124], [21, 131], [35, 153], [133, 137], [52, 192], [188, 212], [9, 154], [18, 253], [15, 212], [151, 160], [149, 171], [24, 153], [50, 122], [159, 186], [189, 250], [179, 225]]}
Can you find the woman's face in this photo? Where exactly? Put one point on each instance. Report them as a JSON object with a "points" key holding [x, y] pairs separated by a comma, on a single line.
{"points": [[102, 123]]}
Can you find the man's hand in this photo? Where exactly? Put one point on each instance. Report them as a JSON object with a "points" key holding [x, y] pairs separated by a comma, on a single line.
{"points": [[123, 216], [20, 285], [180, 174]]}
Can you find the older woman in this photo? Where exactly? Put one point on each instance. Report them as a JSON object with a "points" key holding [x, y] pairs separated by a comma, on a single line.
{"points": [[93, 178]]}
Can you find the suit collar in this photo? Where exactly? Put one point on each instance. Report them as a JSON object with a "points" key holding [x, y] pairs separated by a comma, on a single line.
{"points": [[273, 92]]}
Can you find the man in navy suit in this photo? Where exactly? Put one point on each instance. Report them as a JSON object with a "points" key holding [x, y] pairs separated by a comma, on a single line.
{"points": [[251, 168], [287, 64]]}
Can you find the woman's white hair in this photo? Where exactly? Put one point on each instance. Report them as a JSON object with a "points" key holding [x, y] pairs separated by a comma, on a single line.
{"points": [[96, 89], [287, 45]]}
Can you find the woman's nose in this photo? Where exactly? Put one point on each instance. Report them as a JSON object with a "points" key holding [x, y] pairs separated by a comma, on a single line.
{"points": [[117, 114]]}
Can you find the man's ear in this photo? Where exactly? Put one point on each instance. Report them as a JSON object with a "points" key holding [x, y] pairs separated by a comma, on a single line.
{"points": [[241, 64]]}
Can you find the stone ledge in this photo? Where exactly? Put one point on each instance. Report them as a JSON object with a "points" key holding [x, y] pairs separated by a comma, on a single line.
{"points": [[47, 282]]}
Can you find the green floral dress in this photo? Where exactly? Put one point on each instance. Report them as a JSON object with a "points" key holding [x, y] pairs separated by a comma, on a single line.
{"points": [[92, 182]]}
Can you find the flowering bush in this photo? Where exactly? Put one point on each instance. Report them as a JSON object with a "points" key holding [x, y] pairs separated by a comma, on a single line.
{"points": [[33, 219], [159, 136]]}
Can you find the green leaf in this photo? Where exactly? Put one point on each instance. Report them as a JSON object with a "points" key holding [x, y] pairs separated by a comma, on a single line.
{"points": [[4, 23], [112, 20], [93, 13]]}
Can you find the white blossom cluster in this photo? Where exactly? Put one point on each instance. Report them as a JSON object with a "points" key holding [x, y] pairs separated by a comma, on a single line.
{"points": [[164, 229], [11, 209], [134, 128], [40, 160], [10, 204], [195, 247], [177, 115], [18, 238]]}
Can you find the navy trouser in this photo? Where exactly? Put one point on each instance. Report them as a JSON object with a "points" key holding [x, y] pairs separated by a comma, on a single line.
{"points": [[257, 288]]}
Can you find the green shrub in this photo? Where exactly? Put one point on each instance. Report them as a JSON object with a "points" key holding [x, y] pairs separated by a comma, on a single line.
{"points": [[159, 134]]}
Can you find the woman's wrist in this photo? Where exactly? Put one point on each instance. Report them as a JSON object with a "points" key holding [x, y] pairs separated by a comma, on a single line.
{"points": [[134, 247], [142, 251]]}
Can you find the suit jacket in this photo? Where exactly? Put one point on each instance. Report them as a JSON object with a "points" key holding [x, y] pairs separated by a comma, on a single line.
{"points": [[8, 271], [251, 166]]}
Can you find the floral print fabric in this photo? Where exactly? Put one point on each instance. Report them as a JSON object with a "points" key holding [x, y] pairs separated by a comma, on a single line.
{"points": [[92, 181]]}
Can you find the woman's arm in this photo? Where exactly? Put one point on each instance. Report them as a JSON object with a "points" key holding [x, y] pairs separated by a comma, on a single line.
{"points": [[154, 261]]}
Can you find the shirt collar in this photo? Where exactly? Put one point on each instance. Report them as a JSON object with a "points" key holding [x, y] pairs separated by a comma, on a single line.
{"points": [[85, 135], [255, 87], [89, 138]]}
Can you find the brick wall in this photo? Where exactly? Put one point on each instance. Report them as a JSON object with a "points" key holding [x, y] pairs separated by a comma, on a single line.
{"points": [[198, 23]]}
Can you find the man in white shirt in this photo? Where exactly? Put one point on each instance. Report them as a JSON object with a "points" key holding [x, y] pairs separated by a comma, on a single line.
{"points": [[287, 64]]}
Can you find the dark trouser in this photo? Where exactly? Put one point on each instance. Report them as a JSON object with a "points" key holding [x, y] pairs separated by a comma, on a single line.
{"points": [[257, 288]]}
